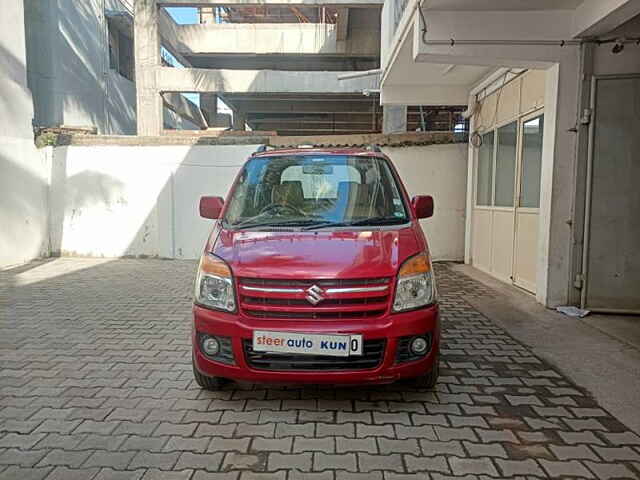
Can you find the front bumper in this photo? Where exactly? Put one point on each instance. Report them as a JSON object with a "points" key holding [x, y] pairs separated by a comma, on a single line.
{"points": [[391, 327]]}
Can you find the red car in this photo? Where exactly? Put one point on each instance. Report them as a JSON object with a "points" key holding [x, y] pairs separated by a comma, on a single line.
{"points": [[316, 271]]}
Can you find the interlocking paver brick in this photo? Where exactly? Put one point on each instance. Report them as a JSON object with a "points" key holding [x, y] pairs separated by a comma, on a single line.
{"points": [[472, 466], [571, 468], [612, 454], [23, 458], [153, 474], [336, 461], [439, 419], [116, 460], [375, 431], [488, 436], [463, 433], [205, 461], [369, 463], [426, 464], [64, 458], [606, 471], [512, 468], [21, 441], [420, 432], [298, 461], [64, 473], [573, 438], [110, 474], [409, 445], [342, 475], [161, 461], [298, 475], [368, 444], [335, 430], [575, 452], [485, 450], [302, 444], [242, 461], [229, 445], [112, 394], [282, 445], [624, 438], [25, 473], [183, 430], [307, 430]]}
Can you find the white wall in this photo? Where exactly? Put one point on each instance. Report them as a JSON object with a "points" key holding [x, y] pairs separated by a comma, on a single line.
{"points": [[116, 201], [440, 171], [24, 171], [112, 201]]}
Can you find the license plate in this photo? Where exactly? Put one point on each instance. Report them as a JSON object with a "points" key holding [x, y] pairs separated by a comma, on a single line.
{"points": [[307, 343]]}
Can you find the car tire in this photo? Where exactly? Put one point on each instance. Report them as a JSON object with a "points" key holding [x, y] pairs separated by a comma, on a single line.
{"points": [[208, 383], [430, 379]]}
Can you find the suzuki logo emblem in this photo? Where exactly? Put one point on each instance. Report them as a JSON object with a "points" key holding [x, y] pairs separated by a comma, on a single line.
{"points": [[314, 294]]}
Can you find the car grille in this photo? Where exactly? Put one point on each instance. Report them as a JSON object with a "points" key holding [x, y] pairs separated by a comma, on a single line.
{"points": [[372, 355], [340, 299]]}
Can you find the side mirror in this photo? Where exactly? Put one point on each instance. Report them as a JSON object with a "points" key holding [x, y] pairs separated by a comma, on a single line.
{"points": [[211, 207], [422, 206]]}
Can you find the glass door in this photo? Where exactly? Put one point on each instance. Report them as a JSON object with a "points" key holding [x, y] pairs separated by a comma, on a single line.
{"points": [[528, 202]]}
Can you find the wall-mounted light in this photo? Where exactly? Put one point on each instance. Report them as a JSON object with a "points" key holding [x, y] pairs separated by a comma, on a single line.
{"points": [[618, 46]]}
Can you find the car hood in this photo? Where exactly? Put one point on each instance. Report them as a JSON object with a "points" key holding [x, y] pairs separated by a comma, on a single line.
{"points": [[317, 254]]}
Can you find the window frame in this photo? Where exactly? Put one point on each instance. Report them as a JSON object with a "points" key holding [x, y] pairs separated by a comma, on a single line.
{"points": [[494, 130], [539, 112]]}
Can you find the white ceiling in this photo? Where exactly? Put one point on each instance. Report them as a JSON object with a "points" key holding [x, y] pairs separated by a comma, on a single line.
{"points": [[408, 72], [478, 5]]}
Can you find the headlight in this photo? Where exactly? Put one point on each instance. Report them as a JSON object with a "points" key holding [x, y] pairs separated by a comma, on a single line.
{"points": [[214, 284], [416, 286]]}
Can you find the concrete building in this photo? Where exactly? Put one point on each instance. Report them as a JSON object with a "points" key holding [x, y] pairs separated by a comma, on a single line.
{"points": [[276, 65], [24, 172], [80, 67], [553, 168]]}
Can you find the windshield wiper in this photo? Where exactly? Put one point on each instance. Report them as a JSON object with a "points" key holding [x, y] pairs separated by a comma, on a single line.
{"points": [[272, 223], [373, 221]]}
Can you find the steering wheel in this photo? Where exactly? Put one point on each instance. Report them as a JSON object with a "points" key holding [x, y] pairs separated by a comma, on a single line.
{"points": [[273, 206]]}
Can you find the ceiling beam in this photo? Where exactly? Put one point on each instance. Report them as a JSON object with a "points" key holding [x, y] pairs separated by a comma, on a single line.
{"points": [[436, 95], [598, 17], [198, 80], [302, 3], [282, 108]]}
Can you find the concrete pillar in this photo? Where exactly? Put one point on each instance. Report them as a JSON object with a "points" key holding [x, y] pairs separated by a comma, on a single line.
{"points": [[558, 181], [147, 58], [394, 118], [209, 107], [207, 15], [239, 120]]}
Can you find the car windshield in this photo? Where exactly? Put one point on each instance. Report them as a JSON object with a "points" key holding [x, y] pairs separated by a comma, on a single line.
{"points": [[315, 191]]}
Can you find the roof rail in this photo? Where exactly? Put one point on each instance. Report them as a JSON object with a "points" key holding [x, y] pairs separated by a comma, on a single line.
{"points": [[374, 148]]}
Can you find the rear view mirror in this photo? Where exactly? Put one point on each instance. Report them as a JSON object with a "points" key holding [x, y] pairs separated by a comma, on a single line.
{"points": [[422, 206], [211, 207]]}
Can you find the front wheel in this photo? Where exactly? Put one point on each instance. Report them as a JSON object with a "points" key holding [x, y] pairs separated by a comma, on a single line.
{"points": [[429, 380], [208, 383]]}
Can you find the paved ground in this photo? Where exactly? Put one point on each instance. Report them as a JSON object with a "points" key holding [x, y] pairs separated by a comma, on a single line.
{"points": [[96, 383]]}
